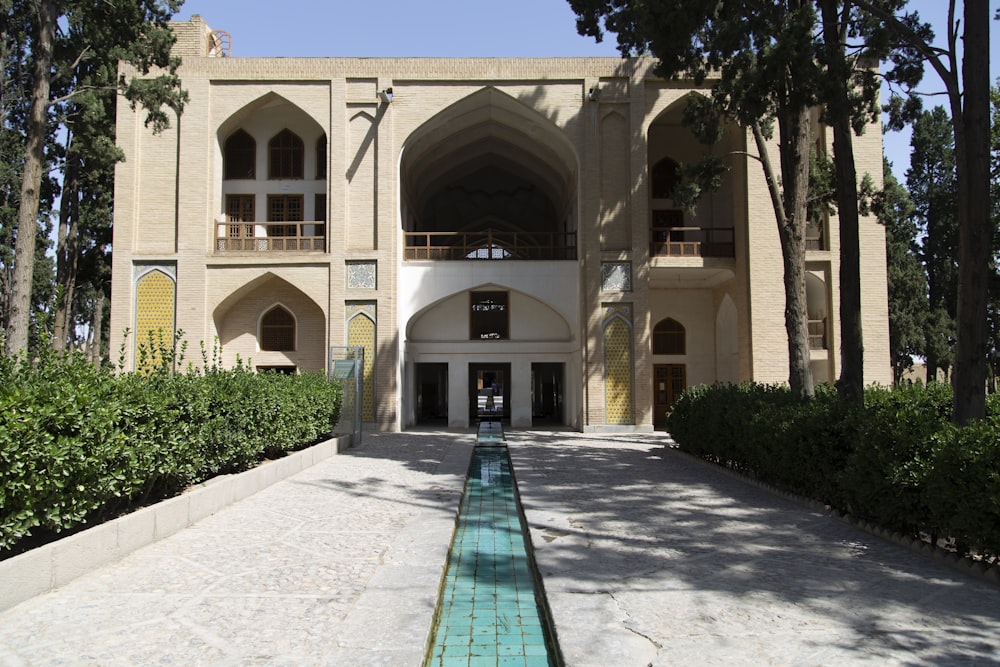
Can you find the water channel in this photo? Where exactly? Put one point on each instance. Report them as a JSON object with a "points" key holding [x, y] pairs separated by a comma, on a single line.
{"points": [[492, 610]]}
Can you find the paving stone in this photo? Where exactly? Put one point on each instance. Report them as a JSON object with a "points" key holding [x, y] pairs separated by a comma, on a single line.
{"points": [[660, 559], [647, 556]]}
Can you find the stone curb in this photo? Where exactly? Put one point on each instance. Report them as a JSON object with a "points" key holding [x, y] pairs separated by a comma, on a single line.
{"points": [[55, 564], [968, 566]]}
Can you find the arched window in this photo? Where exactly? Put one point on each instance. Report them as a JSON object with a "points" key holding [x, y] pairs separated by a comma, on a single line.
{"points": [[239, 156], [285, 155], [277, 331], [664, 177], [669, 337], [321, 158]]}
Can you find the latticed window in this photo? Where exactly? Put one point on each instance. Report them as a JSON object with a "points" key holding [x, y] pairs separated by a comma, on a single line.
{"points": [[489, 318], [285, 156], [283, 208], [669, 337], [239, 156], [664, 178], [277, 331], [321, 158], [319, 207], [240, 209]]}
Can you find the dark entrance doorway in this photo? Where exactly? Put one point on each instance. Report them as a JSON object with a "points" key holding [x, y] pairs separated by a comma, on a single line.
{"points": [[432, 393], [669, 381], [485, 376], [546, 393]]}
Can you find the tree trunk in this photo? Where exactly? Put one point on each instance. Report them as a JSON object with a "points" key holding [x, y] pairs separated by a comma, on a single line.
{"points": [[850, 386], [790, 212], [974, 223], [34, 156], [67, 251], [97, 329]]}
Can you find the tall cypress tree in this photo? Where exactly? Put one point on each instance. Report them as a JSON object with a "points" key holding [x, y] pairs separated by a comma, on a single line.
{"points": [[74, 48], [763, 54], [931, 181]]}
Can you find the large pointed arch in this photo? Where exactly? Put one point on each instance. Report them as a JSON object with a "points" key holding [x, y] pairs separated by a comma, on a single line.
{"points": [[489, 161], [264, 288]]}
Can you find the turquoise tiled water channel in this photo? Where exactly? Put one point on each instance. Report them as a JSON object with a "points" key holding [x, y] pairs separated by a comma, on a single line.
{"points": [[488, 613]]}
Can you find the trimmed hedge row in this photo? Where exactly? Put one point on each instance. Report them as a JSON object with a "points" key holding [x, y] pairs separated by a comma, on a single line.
{"points": [[78, 444], [897, 461]]}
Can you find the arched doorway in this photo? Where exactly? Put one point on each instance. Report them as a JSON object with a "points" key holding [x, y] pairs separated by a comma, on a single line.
{"points": [[669, 380], [489, 179]]}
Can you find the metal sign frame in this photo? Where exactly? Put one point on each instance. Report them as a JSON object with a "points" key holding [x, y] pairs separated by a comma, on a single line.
{"points": [[345, 364]]}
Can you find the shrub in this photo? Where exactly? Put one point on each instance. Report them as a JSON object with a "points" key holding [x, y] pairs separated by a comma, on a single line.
{"points": [[79, 444], [896, 461]]}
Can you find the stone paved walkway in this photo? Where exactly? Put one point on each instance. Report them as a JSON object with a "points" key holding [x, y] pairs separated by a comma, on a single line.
{"points": [[648, 558], [338, 565], [652, 558]]}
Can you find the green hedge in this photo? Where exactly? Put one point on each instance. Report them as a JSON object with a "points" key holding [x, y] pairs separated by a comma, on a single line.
{"points": [[896, 461], [81, 444]]}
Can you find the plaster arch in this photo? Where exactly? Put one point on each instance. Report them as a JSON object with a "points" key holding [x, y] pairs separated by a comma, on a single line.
{"points": [[668, 137], [488, 152], [263, 119], [447, 319], [273, 111], [237, 323]]}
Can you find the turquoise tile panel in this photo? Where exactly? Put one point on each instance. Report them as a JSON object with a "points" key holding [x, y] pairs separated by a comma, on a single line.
{"points": [[488, 614]]}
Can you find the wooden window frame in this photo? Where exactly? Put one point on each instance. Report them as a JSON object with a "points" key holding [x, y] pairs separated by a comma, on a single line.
{"points": [[321, 158], [277, 336], [489, 315], [285, 215], [661, 181], [239, 216], [663, 221], [671, 341], [285, 156], [319, 213], [239, 157]]}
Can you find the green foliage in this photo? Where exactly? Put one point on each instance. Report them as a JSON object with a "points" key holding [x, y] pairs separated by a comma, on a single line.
{"points": [[897, 461], [78, 443], [933, 186], [906, 277]]}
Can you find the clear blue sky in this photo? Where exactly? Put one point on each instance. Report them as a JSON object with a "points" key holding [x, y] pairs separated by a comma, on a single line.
{"points": [[458, 28]]}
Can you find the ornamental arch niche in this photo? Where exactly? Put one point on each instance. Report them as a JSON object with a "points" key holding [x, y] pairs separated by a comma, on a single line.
{"points": [[708, 229], [490, 164], [272, 165], [240, 318]]}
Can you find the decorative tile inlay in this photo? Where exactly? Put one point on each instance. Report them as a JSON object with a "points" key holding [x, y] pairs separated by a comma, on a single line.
{"points": [[362, 275], [616, 276], [361, 333], [618, 365], [154, 317]]}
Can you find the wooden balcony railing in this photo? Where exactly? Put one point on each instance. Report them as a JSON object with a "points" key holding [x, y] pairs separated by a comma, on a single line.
{"points": [[271, 237], [817, 335], [815, 238], [692, 242], [489, 244]]}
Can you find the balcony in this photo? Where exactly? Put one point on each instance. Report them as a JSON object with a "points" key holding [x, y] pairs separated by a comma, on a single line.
{"points": [[266, 237], [692, 242], [815, 237], [489, 244], [817, 334]]}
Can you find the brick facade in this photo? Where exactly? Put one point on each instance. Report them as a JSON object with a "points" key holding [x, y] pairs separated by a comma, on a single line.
{"points": [[538, 151]]}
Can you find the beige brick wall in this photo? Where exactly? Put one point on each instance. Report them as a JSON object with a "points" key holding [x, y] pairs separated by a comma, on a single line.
{"points": [[597, 148]]}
